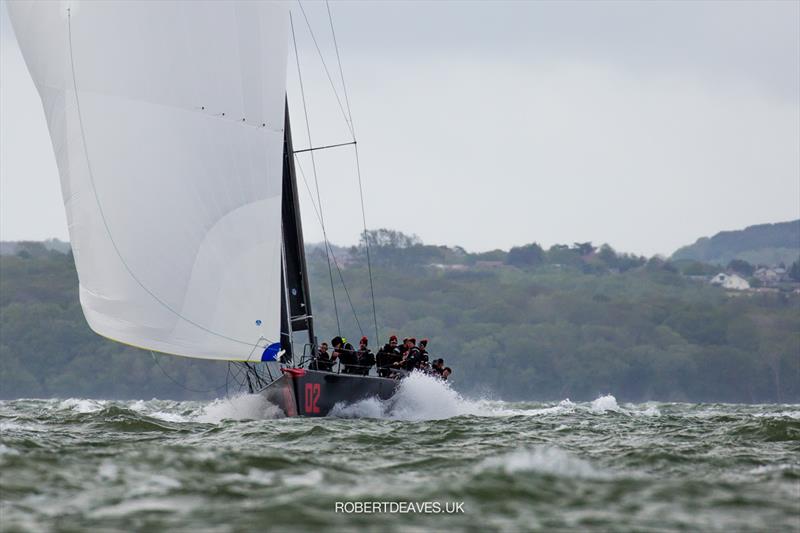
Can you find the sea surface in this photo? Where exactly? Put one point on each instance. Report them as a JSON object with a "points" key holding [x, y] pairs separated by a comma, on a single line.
{"points": [[234, 465]]}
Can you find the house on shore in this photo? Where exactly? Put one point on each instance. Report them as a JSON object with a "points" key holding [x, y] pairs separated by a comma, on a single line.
{"points": [[731, 282], [770, 275]]}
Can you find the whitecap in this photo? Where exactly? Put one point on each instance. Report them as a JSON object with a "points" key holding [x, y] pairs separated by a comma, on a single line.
{"points": [[155, 409], [168, 417], [563, 407], [781, 414], [182, 504], [138, 406], [150, 484], [650, 411], [254, 475], [418, 397], [311, 478], [544, 460], [768, 469], [5, 450], [240, 407], [422, 397], [605, 403], [81, 406], [367, 408], [8, 425], [107, 471]]}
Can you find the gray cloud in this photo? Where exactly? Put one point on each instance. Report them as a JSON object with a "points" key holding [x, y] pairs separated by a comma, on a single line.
{"points": [[644, 124]]}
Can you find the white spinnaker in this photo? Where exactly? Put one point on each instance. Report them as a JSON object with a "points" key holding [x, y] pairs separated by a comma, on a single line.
{"points": [[167, 122]]}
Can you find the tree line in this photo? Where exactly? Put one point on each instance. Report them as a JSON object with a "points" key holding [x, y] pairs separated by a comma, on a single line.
{"points": [[571, 321]]}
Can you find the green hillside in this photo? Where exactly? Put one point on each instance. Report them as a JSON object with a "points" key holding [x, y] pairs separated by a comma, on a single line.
{"points": [[764, 244], [571, 321]]}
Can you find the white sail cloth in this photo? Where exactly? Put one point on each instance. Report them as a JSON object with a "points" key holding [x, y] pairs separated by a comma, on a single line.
{"points": [[167, 123]]}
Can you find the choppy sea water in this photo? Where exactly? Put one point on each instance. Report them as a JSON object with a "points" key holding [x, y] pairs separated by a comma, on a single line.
{"points": [[232, 465]]}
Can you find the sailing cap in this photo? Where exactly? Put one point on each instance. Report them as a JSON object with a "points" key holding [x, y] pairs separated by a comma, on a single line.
{"points": [[393, 338], [364, 340]]}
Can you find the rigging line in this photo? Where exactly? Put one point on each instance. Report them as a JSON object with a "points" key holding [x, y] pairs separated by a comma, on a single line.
{"points": [[335, 262], [358, 170], [347, 293], [155, 360], [327, 72], [100, 205], [314, 168], [341, 71], [237, 377], [366, 245], [324, 147], [308, 189]]}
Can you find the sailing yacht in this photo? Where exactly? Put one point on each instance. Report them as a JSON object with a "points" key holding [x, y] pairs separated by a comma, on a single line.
{"points": [[170, 126]]}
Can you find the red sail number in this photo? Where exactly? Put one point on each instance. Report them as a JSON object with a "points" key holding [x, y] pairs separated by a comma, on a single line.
{"points": [[312, 397]]}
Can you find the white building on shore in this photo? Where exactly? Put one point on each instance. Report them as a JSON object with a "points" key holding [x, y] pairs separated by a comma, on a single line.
{"points": [[730, 282]]}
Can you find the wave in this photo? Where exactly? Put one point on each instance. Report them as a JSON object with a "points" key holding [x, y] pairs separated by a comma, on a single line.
{"points": [[82, 406], [543, 460], [604, 404], [418, 397], [421, 397], [239, 407], [132, 414], [780, 414], [770, 429]]}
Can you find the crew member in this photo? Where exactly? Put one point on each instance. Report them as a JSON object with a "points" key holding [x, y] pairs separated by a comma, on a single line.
{"points": [[338, 348], [388, 356], [364, 358], [323, 359], [404, 348], [446, 372], [411, 358], [347, 358], [423, 352]]}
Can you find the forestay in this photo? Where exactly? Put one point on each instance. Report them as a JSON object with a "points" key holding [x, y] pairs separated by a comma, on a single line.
{"points": [[167, 121]]}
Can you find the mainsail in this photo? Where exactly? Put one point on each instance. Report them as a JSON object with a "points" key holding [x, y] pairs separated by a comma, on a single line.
{"points": [[167, 122]]}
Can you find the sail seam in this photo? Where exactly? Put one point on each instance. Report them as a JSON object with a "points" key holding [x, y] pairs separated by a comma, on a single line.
{"points": [[201, 109]]}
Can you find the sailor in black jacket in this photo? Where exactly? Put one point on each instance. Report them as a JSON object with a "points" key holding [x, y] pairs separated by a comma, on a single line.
{"points": [[364, 358], [413, 356], [388, 356], [323, 359], [347, 357], [423, 352]]}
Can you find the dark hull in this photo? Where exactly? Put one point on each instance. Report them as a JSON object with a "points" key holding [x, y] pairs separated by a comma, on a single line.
{"points": [[302, 392]]}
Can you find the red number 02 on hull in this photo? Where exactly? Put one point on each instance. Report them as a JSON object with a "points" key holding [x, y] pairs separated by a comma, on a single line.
{"points": [[312, 392]]}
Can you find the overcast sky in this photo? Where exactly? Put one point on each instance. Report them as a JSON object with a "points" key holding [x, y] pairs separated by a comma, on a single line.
{"points": [[489, 125]]}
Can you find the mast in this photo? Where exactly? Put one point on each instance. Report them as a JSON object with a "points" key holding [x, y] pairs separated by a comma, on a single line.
{"points": [[294, 273]]}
